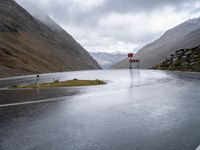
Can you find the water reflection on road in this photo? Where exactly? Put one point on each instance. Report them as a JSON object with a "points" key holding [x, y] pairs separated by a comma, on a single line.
{"points": [[137, 109]]}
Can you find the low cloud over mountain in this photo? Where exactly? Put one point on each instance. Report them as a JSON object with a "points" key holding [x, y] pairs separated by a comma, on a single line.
{"points": [[117, 25]]}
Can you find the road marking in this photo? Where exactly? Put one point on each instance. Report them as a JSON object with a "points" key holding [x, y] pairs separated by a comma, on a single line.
{"points": [[30, 102], [198, 148], [3, 89]]}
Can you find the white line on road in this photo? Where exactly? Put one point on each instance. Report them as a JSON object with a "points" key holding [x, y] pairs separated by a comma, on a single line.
{"points": [[30, 102]]}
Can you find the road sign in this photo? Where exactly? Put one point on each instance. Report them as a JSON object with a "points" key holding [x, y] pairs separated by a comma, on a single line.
{"points": [[131, 60], [130, 54], [134, 60]]}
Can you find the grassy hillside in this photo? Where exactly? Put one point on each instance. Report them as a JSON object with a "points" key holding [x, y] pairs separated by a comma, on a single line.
{"points": [[28, 46]]}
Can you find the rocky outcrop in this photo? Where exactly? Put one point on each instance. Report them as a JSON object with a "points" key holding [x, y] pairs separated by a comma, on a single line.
{"points": [[29, 46], [182, 60]]}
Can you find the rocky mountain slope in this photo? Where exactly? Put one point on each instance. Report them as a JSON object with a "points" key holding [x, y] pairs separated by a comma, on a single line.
{"points": [[182, 60], [29, 46], [185, 35], [106, 60]]}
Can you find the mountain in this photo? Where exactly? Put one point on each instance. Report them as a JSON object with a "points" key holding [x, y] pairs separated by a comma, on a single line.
{"points": [[185, 35], [30, 46], [106, 60]]}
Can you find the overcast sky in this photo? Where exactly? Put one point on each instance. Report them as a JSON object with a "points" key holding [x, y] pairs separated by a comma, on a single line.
{"points": [[117, 25]]}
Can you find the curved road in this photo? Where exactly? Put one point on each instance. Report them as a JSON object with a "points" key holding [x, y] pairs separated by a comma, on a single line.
{"points": [[136, 110]]}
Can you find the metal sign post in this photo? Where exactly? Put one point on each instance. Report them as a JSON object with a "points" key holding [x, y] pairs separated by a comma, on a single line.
{"points": [[131, 60], [130, 56], [37, 80]]}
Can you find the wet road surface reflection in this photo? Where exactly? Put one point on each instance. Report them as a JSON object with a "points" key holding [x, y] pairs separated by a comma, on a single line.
{"points": [[137, 109]]}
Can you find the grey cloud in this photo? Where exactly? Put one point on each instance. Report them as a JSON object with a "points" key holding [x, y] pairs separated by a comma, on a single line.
{"points": [[124, 6], [66, 11], [69, 14]]}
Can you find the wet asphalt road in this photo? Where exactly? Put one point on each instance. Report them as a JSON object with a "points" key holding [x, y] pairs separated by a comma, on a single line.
{"points": [[136, 110]]}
